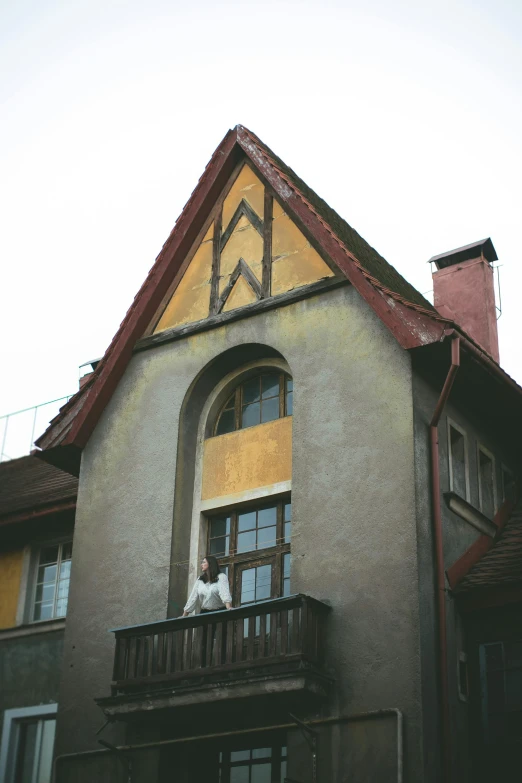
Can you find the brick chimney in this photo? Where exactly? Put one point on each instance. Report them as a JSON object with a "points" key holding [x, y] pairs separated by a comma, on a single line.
{"points": [[464, 291]]}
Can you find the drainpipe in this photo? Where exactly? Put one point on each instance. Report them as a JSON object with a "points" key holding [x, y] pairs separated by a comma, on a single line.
{"points": [[439, 558]]}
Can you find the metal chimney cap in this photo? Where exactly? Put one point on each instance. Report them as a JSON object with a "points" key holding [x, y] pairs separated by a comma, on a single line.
{"points": [[477, 249]]}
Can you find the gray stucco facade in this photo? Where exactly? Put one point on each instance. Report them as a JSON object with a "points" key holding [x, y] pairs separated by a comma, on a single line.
{"points": [[355, 517]]}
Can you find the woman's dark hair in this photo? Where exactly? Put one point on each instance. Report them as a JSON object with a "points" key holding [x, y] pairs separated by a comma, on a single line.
{"points": [[211, 574]]}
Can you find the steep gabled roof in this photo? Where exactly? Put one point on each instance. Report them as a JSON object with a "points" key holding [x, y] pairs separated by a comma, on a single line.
{"points": [[412, 320]]}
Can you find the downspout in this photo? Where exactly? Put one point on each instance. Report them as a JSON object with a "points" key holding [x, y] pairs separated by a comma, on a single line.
{"points": [[439, 558]]}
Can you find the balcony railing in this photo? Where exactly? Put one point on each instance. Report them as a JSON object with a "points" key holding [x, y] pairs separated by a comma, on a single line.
{"points": [[263, 635]]}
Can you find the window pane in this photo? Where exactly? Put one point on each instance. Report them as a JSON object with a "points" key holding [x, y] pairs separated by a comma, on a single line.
{"points": [[486, 484], [45, 592], [65, 569], [219, 546], [219, 526], [47, 573], [49, 555], [283, 770], [240, 755], [286, 565], [289, 404], [289, 384], [251, 390], [67, 551], [458, 462], [263, 582], [261, 773], [267, 516], [61, 607], [270, 410], [248, 586], [288, 532], [262, 753], [43, 611], [46, 752], [251, 415], [270, 385], [288, 512], [26, 752], [226, 423], [239, 774], [63, 588], [246, 542], [266, 536], [246, 521]]}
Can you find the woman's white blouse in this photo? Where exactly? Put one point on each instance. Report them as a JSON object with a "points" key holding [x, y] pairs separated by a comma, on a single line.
{"points": [[209, 595]]}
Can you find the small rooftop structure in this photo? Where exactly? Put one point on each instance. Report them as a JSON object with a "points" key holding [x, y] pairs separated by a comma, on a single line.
{"points": [[482, 249]]}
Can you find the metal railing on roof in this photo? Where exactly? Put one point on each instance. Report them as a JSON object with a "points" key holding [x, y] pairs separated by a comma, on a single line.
{"points": [[19, 429]]}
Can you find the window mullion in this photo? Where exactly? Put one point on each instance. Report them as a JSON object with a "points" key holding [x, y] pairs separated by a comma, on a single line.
{"points": [[238, 406], [281, 396], [57, 580]]}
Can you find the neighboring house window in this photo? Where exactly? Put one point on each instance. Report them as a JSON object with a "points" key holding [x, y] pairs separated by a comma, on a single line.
{"points": [[487, 483], [52, 581], [259, 399], [509, 490], [458, 461], [26, 752], [256, 765], [253, 545], [501, 676]]}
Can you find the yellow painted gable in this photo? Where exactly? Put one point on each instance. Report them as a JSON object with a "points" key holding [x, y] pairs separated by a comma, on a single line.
{"points": [[240, 295], [247, 186], [191, 299], [294, 261], [245, 242]]}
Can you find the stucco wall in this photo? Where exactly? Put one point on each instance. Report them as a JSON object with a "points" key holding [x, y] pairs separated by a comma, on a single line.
{"points": [[353, 496], [30, 668]]}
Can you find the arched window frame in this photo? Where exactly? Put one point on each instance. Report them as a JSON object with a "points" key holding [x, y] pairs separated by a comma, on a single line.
{"points": [[235, 404], [203, 510]]}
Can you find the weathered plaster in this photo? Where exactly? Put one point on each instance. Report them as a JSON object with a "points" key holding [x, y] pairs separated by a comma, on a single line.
{"points": [[353, 502]]}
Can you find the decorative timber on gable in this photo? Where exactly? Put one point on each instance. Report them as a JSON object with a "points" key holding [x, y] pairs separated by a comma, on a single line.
{"points": [[251, 250], [252, 236]]}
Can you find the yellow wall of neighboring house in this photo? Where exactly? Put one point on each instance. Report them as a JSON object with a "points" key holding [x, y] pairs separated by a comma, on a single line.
{"points": [[247, 459], [10, 574]]}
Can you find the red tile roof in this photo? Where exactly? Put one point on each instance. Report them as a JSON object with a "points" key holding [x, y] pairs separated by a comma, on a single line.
{"points": [[30, 485], [501, 566]]}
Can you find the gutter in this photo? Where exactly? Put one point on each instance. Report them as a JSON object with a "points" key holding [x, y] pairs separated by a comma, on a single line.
{"points": [[439, 558], [224, 734]]}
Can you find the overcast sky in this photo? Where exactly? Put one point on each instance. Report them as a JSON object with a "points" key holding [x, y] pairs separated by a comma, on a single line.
{"points": [[405, 116]]}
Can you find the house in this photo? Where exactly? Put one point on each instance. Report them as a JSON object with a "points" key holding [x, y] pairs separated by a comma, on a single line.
{"points": [[280, 397]]}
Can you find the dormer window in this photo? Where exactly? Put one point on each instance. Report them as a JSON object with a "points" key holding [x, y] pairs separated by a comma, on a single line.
{"points": [[261, 398]]}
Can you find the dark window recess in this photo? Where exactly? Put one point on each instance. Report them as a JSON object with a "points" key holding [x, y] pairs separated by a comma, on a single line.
{"points": [[253, 765], [501, 674], [259, 399], [253, 544], [509, 489], [458, 462], [487, 484]]}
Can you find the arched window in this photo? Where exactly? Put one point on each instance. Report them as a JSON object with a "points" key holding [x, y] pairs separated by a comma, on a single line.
{"points": [[261, 398]]}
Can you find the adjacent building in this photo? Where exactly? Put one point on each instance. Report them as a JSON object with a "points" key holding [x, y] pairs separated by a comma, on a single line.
{"points": [[280, 397]]}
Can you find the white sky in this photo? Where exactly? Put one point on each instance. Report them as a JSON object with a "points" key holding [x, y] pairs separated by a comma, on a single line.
{"points": [[405, 116]]}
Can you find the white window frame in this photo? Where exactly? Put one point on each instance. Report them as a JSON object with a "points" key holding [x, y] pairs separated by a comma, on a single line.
{"points": [[33, 580], [487, 453], [11, 735], [464, 434]]}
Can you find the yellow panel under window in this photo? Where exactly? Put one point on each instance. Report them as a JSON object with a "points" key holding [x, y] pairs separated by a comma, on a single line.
{"points": [[246, 243], [240, 295], [294, 261], [10, 573], [247, 459], [191, 299], [247, 186]]}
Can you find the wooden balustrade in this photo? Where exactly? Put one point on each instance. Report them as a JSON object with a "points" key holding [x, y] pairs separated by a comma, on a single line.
{"points": [[269, 632]]}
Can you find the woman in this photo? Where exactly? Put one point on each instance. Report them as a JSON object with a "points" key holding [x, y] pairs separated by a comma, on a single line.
{"points": [[211, 591]]}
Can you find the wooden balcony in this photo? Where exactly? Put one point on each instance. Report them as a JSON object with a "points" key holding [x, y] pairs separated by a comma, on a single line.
{"points": [[270, 647]]}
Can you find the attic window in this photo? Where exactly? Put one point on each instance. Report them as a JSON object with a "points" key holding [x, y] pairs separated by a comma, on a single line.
{"points": [[259, 399], [487, 484]]}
